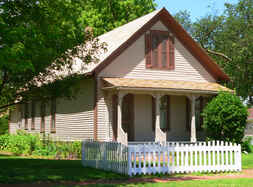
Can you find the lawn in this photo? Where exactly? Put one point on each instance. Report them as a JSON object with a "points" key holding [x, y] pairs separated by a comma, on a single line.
{"points": [[206, 183], [247, 161], [24, 170]]}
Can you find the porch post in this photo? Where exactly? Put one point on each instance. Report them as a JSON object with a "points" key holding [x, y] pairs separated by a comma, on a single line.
{"points": [[122, 136], [160, 136], [193, 124]]}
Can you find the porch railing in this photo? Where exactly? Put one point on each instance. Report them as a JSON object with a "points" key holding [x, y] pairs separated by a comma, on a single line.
{"points": [[163, 158]]}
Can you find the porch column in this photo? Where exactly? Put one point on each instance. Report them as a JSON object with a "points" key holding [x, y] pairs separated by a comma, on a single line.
{"points": [[122, 136], [160, 136], [193, 124]]}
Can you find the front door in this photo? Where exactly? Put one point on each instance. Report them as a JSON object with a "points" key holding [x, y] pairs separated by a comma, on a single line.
{"points": [[128, 116]]}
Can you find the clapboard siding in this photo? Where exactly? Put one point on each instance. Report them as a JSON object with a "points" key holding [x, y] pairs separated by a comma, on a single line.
{"points": [[14, 121], [74, 117], [103, 126], [131, 64]]}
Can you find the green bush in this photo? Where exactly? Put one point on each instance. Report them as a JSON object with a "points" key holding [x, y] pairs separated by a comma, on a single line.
{"points": [[31, 144], [246, 144], [4, 125], [225, 118]]}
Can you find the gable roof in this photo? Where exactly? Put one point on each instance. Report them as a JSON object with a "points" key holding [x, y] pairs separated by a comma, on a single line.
{"points": [[122, 37]]}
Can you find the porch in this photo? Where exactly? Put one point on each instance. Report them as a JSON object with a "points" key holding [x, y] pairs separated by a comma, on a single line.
{"points": [[157, 110]]}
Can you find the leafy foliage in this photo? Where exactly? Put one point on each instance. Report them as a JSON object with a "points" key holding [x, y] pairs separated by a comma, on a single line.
{"points": [[4, 124], [39, 37], [225, 118], [184, 18], [246, 144], [28, 144], [105, 15], [228, 38]]}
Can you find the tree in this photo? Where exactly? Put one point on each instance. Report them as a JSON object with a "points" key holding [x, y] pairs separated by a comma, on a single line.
{"points": [[228, 38], [40, 36], [225, 118], [184, 18], [105, 15]]}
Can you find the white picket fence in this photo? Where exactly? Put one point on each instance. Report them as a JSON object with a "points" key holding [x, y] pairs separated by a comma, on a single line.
{"points": [[110, 156], [151, 158]]}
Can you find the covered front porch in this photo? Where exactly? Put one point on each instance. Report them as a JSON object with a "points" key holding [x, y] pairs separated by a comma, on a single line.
{"points": [[157, 110]]}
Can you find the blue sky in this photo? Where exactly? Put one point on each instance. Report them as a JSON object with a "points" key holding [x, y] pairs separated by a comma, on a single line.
{"points": [[197, 8]]}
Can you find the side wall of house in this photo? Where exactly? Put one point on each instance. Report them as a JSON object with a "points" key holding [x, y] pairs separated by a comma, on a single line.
{"points": [[131, 64], [74, 117]]}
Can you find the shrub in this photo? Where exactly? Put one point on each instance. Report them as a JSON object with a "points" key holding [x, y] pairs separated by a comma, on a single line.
{"points": [[31, 144], [246, 144], [225, 118], [4, 126]]}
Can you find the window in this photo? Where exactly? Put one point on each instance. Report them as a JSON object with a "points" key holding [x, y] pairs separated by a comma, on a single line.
{"points": [[164, 113], [33, 113], [53, 114], [198, 111], [153, 113], [26, 115], [42, 115], [159, 50], [199, 106]]}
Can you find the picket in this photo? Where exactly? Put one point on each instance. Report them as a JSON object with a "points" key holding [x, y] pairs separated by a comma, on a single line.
{"points": [[167, 157], [184, 158]]}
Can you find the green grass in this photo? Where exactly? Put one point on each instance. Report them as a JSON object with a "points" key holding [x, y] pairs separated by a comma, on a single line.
{"points": [[16, 169], [247, 161], [22, 170], [206, 183]]}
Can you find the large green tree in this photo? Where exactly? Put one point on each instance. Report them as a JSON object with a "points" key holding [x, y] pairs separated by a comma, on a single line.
{"points": [[37, 36]]}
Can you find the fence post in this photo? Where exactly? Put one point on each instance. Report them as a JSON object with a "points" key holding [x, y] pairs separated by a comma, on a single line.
{"points": [[239, 158], [83, 153], [129, 165]]}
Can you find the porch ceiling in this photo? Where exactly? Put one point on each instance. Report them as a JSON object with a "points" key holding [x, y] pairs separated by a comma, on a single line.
{"points": [[163, 85]]}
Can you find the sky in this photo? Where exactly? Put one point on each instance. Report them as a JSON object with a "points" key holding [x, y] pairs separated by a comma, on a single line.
{"points": [[197, 8]]}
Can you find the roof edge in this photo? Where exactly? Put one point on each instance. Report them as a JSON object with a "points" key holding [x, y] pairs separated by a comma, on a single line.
{"points": [[191, 45]]}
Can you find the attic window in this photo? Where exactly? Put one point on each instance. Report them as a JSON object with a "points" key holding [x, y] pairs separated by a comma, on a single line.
{"points": [[159, 50]]}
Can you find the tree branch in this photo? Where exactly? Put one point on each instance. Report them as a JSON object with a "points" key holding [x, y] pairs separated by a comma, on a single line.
{"points": [[8, 105], [219, 54]]}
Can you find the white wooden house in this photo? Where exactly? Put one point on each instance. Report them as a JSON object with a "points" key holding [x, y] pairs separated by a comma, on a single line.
{"points": [[150, 85]]}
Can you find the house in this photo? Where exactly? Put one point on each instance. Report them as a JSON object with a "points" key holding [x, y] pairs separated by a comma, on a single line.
{"points": [[150, 85]]}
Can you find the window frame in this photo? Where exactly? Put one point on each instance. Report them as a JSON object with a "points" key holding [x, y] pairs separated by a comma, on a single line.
{"points": [[170, 51], [33, 113], [26, 115], [168, 108], [42, 116], [53, 116]]}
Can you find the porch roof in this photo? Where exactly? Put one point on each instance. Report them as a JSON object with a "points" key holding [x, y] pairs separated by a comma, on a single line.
{"points": [[164, 85]]}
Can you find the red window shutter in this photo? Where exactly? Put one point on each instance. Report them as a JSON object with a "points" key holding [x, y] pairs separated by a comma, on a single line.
{"points": [[153, 113], [168, 112], [171, 52], [148, 50], [188, 114]]}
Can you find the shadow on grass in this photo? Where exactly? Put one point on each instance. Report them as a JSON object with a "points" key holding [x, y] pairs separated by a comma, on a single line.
{"points": [[22, 170]]}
